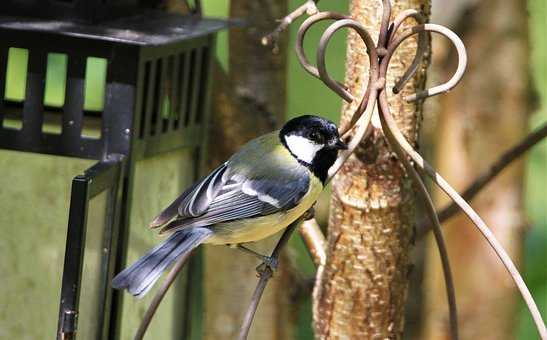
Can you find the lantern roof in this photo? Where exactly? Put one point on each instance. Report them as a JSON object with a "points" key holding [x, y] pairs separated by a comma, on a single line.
{"points": [[149, 29]]}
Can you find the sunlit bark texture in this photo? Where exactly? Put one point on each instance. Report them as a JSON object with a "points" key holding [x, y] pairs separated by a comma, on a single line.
{"points": [[248, 101], [362, 291], [485, 115]]}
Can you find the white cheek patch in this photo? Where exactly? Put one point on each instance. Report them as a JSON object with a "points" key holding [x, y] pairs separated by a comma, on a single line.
{"points": [[303, 148]]}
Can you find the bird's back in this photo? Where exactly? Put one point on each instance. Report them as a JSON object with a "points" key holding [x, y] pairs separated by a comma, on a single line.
{"points": [[265, 155]]}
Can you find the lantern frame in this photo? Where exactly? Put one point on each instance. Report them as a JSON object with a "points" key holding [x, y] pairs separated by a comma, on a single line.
{"points": [[156, 100]]}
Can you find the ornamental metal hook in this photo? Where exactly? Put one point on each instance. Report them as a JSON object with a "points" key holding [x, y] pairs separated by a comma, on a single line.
{"points": [[379, 56]]}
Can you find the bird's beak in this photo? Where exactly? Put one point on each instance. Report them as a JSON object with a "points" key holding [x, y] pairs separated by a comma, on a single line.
{"points": [[339, 145]]}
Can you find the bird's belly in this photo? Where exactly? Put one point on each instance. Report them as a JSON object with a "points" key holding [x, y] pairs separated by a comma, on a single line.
{"points": [[255, 229]]}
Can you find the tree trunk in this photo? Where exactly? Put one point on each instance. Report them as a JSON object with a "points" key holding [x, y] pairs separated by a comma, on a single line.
{"points": [[362, 291], [481, 118], [247, 102]]}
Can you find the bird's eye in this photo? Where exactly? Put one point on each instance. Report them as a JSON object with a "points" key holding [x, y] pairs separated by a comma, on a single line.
{"points": [[316, 136]]}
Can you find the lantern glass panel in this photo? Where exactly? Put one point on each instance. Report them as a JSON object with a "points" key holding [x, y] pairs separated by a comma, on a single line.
{"points": [[92, 274], [35, 194], [157, 182]]}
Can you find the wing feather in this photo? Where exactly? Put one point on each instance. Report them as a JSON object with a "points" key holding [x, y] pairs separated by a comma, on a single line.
{"points": [[252, 198], [195, 200], [261, 179]]}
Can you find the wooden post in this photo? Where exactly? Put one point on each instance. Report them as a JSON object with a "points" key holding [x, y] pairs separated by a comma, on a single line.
{"points": [[361, 292]]}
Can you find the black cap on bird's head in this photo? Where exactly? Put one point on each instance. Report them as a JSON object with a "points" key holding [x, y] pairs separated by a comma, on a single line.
{"points": [[318, 130], [313, 141]]}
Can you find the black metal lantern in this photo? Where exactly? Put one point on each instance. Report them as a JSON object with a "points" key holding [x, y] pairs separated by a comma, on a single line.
{"points": [[156, 88]]}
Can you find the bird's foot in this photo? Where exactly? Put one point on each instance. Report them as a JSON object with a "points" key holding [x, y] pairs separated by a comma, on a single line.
{"points": [[267, 267], [269, 263]]}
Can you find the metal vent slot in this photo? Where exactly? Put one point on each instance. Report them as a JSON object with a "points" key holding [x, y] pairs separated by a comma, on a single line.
{"points": [[204, 76], [183, 87], [174, 102], [95, 83], [144, 98], [191, 90], [155, 112], [16, 74], [163, 104], [148, 94], [54, 93], [14, 88]]}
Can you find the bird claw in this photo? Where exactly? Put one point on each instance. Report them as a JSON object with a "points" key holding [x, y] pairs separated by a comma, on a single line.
{"points": [[268, 266]]}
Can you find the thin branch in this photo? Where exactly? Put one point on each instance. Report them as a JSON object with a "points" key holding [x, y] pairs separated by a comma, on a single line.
{"points": [[443, 253], [159, 296], [432, 215], [309, 7], [486, 177], [314, 240], [265, 273], [473, 216], [383, 109]]}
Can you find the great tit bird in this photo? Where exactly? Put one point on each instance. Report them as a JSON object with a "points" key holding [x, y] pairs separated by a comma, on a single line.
{"points": [[269, 183]]}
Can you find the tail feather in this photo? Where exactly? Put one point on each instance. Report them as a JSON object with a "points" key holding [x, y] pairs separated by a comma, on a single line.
{"points": [[141, 275]]}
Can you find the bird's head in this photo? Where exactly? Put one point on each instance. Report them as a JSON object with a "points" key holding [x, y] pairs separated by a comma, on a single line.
{"points": [[312, 140]]}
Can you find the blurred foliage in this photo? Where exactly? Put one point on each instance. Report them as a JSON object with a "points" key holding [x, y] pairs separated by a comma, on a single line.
{"points": [[308, 95], [535, 256]]}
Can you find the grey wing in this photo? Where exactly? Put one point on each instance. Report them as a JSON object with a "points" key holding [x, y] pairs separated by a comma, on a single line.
{"points": [[241, 197], [195, 200]]}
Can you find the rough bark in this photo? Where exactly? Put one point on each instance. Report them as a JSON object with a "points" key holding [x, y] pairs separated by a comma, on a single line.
{"points": [[479, 120], [247, 102], [361, 293]]}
